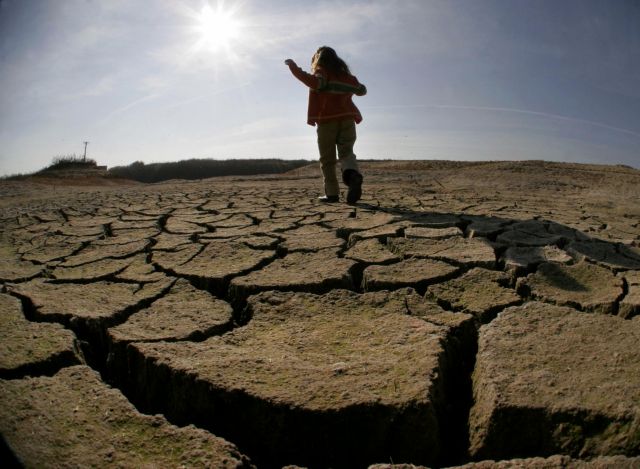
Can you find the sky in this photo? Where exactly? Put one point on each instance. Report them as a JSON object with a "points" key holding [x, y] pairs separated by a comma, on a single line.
{"points": [[165, 80]]}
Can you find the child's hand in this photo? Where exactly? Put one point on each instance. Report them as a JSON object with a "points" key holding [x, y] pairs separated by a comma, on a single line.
{"points": [[289, 62]]}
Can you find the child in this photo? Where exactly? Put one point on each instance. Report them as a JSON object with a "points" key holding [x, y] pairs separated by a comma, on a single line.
{"points": [[331, 109]]}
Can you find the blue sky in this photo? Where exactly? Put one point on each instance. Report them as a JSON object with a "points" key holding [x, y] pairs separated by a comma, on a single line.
{"points": [[455, 79]]}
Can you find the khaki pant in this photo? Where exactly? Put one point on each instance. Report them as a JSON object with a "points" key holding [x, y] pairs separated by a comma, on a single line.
{"points": [[332, 135]]}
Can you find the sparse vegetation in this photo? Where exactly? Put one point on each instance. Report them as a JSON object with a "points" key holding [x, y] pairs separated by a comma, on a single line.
{"points": [[203, 168], [14, 177], [69, 162]]}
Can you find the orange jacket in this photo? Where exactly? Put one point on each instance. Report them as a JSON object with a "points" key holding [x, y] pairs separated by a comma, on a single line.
{"points": [[330, 95]]}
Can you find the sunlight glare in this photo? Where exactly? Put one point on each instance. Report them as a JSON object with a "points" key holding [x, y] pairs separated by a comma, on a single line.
{"points": [[218, 27]]}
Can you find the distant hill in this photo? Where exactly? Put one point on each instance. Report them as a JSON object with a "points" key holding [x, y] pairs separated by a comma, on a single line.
{"points": [[64, 168], [203, 168]]}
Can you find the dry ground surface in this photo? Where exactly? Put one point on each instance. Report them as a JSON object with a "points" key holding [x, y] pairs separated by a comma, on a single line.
{"points": [[460, 314]]}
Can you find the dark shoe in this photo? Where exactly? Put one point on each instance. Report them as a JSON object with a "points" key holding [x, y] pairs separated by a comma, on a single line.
{"points": [[355, 187], [329, 199]]}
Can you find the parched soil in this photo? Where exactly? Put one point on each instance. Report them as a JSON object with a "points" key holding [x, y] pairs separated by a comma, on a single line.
{"points": [[460, 315]]}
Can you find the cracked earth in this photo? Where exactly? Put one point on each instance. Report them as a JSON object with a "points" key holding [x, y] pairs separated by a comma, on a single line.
{"points": [[460, 314]]}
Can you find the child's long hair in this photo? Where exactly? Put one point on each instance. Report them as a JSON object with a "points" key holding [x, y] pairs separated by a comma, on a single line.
{"points": [[327, 58]]}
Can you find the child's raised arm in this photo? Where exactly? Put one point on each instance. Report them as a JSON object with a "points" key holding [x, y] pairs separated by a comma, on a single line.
{"points": [[316, 82]]}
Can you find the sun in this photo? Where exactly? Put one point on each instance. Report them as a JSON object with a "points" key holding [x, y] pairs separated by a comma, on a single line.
{"points": [[217, 27]]}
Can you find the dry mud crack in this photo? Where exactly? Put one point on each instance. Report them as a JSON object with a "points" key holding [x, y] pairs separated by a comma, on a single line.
{"points": [[239, 323]]}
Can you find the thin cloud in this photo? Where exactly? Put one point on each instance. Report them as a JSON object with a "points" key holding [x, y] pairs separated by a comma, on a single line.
{"points": [[127, 107], [542, 114], [208, 95], [507, 110]]}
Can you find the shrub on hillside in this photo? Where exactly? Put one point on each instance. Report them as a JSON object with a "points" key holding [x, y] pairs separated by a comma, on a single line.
{"points": [[69, 162]]}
